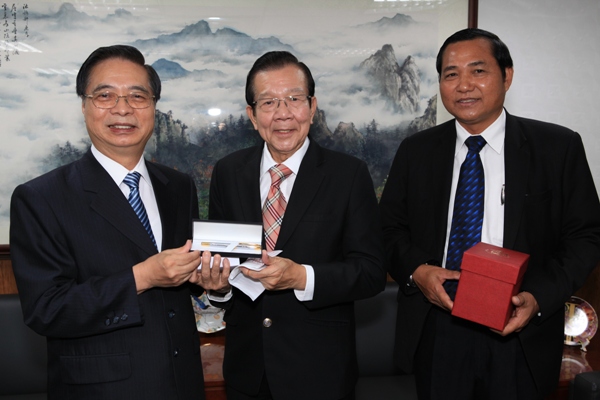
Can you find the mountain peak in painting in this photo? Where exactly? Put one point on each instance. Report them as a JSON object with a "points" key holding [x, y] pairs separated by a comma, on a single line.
{"points": [[200, 28], [169, 70], [398, 20], [67, 17], [398, 85], [198, 40]]}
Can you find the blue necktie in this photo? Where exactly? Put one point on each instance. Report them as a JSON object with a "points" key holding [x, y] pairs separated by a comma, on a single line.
{"points": [[467, 217], [133, 181]]}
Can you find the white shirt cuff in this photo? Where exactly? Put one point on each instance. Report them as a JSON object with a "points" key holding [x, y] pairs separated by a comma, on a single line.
{"points": [[309, 291], [222, 297]]}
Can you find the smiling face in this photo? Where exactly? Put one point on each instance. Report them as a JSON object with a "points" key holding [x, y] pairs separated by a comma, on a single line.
{"points": [[472, 87], [284, 130], [120, 132]]}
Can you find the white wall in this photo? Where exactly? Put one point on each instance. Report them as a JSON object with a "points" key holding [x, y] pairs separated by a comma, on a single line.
{"points": [[555, 46]]}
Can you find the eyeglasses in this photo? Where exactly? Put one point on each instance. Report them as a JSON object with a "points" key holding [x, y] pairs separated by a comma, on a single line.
{"points": [[107, 100], [292, 102]]}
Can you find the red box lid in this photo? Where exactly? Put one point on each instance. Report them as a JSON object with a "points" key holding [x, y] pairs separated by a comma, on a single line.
{"points": [[495, 262]]}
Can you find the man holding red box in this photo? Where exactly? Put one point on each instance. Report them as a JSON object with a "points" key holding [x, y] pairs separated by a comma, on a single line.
{"points": [[535, 194]]}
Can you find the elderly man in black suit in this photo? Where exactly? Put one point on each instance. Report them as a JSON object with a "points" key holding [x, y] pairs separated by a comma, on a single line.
{"points": [[538, 198], [105, 279], [317, 206]]}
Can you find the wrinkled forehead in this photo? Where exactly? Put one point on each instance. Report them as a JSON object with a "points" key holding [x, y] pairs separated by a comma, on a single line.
{"points": [[114, 73], [289, 79]]}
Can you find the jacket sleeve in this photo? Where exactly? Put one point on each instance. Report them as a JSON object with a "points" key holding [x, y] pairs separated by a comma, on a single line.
{"points": [[55, 299]]}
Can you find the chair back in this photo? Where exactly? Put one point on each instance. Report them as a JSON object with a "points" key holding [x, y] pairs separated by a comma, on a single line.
{"points": [[375, 332], [23, 356]]}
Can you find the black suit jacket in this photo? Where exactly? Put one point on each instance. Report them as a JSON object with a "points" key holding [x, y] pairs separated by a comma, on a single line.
{"points": [[331, 223], [74, 239], [551, 213]]}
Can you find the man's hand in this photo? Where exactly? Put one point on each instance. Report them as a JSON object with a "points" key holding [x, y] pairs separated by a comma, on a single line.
{"points": [[430, 279], [215, 278], [279, 273], [168, 268], [526, 307]]}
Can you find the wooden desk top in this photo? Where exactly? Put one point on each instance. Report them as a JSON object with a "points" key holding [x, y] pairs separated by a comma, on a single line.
{"points": [[212, 348], [575, 362]]}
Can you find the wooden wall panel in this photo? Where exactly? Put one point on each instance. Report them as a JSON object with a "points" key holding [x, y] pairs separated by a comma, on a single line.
{"points": [[7, 279], [590, 291]]}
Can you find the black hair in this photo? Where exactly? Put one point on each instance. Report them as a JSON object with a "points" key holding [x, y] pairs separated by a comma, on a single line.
{"points": [[499, 49], [124, 52], [276, 60]]}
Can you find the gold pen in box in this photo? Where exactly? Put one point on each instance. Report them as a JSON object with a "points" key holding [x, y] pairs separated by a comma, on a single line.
{"points": [[248, 246], [214, 244]]}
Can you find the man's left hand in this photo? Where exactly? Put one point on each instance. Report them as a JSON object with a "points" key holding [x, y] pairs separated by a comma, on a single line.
{"points": [[279, 273], [526, 307], [215, 277]]}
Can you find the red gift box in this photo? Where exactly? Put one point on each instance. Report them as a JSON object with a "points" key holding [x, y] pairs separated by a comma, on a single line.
{"points": [[490, 276]]}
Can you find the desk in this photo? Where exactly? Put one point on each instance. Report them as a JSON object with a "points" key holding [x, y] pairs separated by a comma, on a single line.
{"points": [[212, 347], [574, 362]]}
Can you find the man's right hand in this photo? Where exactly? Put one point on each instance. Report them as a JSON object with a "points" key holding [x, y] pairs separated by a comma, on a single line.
{"points": [[166, 269], [430, 280]]}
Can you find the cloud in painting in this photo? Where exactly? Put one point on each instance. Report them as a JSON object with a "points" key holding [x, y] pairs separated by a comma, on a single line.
{"points": [[203, 64]]}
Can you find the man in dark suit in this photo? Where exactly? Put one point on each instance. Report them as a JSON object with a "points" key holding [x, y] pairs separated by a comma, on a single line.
{"points": [[93, 278], [296, 341], [539, 199]]}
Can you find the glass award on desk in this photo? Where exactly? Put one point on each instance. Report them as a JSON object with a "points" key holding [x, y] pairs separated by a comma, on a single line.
{"points": [[581, 322]]}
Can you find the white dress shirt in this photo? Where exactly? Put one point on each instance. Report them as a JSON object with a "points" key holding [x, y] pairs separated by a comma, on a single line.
{"points": [[293, 163], [119, 172], [492, 158]]}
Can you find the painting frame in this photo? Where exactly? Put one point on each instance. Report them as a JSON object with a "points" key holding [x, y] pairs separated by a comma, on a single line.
{"points": [[471, 22]]}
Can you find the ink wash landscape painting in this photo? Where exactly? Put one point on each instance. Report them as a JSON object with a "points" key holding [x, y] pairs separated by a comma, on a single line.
{"points": [[374, 69]]}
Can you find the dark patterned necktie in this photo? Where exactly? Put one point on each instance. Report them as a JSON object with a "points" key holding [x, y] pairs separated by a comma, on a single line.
{"points": [[467, 217], [133, 181], [275, 204]]}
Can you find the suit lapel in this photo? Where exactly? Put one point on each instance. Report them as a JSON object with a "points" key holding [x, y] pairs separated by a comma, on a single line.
{"points": [[248, 186], [166, 206], [440, 178], [305, 189], [516, 167], [108, 201]]}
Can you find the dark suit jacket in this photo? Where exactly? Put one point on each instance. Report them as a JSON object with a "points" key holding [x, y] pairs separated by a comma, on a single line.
{"points": [[74, 238], [331, 223], [551, 213]]}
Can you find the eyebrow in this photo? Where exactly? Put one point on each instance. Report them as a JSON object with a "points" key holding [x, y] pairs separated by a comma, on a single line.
{"points": [[290, 91], [472, 64], [131, 88]]}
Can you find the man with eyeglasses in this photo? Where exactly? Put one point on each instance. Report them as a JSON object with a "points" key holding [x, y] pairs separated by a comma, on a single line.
{"points": [[101, 254], [296, 341]]}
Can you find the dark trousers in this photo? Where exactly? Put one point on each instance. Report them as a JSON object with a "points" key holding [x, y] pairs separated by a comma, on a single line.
{"points": [[264, 393], [458, 359]]}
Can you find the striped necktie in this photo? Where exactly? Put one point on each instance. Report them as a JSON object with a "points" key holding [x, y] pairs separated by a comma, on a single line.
{"points": [[133, 181], [275, 204], [467, 217]]}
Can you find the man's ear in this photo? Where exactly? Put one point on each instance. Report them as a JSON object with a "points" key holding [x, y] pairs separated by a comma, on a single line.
{"points": [[508, 79], [250, 113], [313, 108]]}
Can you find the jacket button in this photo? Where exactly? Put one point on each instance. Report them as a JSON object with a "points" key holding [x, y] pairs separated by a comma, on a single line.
{"points": [[171, 314], [107, 322], [116, 320], [175, 352], [267, 322]]}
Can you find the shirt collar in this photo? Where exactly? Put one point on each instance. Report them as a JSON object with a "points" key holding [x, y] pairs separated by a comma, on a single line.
{"points": [[118, 172], [293, 163], [493, 134]]}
